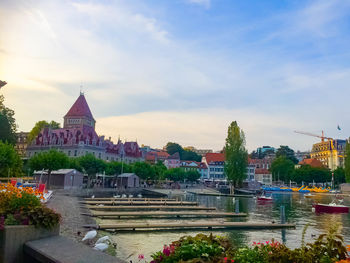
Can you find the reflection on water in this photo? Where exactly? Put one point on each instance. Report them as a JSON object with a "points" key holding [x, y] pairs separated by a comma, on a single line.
{"points": [[297, 210]]}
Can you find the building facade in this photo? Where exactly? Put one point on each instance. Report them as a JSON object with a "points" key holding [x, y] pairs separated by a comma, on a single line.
{"points": [[215, 163], [21, 144], [173, 161], [330, 153], [263, 176], [78, 137]]}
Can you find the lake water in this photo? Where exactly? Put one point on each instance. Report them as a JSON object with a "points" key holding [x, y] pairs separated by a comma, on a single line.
{"points": [[297, 210]]}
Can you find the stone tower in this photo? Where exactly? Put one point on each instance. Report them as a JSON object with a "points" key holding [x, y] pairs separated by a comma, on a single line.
{"points": [[79, 115]]}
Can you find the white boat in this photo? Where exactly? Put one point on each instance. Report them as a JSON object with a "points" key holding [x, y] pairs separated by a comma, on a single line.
{"points": [[47, 196]]}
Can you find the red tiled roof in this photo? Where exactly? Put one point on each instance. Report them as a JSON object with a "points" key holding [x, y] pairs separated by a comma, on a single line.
{"points": [[163, 154], [262, 171], [80, 108], [214, 157], [311, 162]]}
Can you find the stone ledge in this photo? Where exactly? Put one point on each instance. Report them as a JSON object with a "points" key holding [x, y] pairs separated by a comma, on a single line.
{"points": [[60, 249]]}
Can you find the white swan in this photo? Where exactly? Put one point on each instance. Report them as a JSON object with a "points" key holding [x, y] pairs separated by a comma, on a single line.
{"points": [[103, 240], [101, 246], [90, 235]]}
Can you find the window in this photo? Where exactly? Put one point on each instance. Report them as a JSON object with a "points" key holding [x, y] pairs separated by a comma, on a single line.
{"points": [[75, 152], [99, 155], [68, 153]]}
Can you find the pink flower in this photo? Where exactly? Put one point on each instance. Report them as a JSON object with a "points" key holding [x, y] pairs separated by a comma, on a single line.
{"points": [[166, 251], [141, 256]]}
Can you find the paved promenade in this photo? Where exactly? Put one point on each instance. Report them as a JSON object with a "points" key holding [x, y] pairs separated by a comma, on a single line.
{"points": [[70, 210]]}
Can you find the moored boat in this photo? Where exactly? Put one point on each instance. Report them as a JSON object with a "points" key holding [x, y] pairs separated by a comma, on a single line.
{"points": [[331, 208], [264, 198], [308, 195]]}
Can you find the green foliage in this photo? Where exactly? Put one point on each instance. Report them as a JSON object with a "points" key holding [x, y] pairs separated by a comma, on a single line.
{"points": [[187, 155], [25, 202], [7, 123], [9, 161], [73, 163], [43, 217], [285, 151], [159, 169], [39, 126], [236, 154], [192, 176], [10, 220], [114, 168], [282, 168], [201, 248], [190, 156], [175, 174], [51, 160], [91, 165], [173, 147], [308, 174], [144, 170], [339, 176], [347, 162]]}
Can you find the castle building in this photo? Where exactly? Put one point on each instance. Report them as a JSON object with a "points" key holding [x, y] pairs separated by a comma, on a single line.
{"points": [[78, 137]]}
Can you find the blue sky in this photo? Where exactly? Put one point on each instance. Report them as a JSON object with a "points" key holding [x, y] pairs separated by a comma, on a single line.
{"points": [[182, 70]]}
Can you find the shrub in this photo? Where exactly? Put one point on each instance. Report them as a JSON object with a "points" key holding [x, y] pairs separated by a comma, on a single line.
{"points": [[22, 206], [327, 248]]}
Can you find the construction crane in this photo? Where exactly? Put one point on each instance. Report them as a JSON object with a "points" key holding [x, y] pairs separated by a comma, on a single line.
{"points": [[315, 135]]}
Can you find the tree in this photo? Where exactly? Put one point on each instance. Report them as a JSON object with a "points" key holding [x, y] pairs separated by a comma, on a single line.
{"points": [[339, 176], [309, 174], [144, 170], [159, 169], [10, 162], [286, 152], [185, 154], [39, 126], [347, 161], [50, 161], [190, 156], [73, 163], [91, 165], [7, 123], [172, 147], [192, 176], [175, 174], [114, 168], [236, 155], [282, 169]]}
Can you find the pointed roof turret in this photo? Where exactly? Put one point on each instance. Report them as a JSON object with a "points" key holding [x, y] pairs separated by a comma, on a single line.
{"points": [[80, 108]]}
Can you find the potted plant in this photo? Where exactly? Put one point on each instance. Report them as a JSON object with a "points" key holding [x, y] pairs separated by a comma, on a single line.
{"points": [[23, 218]]}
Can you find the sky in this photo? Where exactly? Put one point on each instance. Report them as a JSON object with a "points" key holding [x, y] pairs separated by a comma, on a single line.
{"points": [[182, 70]]}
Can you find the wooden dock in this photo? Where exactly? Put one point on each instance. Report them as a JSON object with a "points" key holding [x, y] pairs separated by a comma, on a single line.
{"points": [[150, 207], [128, 199], [127, 202], [186, 214], [191, 225], [220, 194]]}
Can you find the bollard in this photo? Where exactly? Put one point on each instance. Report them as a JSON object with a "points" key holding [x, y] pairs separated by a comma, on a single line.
{"points": [[283, 214], [237, 206]]}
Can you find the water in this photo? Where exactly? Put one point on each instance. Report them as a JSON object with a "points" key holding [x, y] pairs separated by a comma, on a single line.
{"points": [[297, 210]]}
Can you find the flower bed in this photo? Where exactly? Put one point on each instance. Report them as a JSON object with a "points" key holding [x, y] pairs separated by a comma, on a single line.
{"points": [[202, 248], [22, 206]]}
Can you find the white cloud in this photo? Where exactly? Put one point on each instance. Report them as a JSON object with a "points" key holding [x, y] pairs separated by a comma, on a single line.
{"points": [[204, 128]]}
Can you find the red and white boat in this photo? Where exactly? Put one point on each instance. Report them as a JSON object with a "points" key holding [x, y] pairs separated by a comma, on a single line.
{"points": [[264, 198], [331, 208]]}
